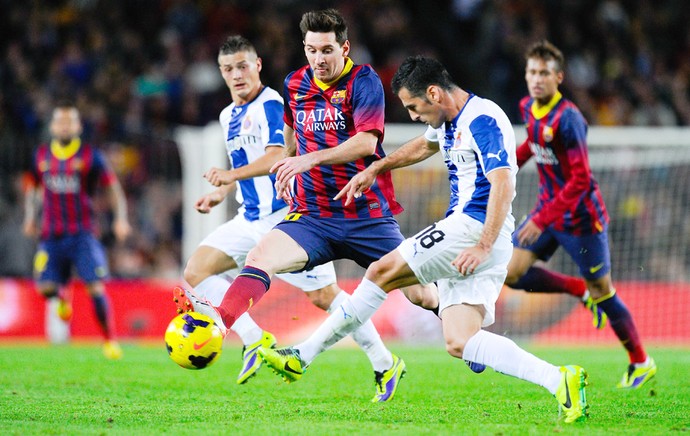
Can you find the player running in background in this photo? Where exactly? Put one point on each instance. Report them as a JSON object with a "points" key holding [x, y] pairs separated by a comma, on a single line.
{"points": [[570, 210], [64, 175], [253, 129], [466, 253]]}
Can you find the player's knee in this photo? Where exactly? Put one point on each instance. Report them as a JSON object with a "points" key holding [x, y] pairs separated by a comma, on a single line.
{"points": [[455, 346], [95, 289], [513, 277], [322, 298], [380, 272], [193, 275]]}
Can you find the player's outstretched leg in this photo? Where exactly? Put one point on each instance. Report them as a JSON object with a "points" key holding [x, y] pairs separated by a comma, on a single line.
{"points": [[251, 362], [638, 374], [571, 395], [285, 362], [387, 381]]}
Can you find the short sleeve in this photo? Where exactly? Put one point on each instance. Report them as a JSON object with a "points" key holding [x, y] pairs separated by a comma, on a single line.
{"points": [[368, 102]]}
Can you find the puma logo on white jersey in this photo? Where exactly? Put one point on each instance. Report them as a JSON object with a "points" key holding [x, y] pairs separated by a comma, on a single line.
{"points": [[496, 155]]}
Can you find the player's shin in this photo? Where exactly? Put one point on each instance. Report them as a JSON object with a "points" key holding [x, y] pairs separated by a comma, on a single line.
{"points": [[246, 290], [351, 314]]}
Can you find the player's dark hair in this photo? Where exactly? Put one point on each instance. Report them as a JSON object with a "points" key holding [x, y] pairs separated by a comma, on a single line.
{"points": [[417, 73], [325, 21], [236, 43], [546, 51]]}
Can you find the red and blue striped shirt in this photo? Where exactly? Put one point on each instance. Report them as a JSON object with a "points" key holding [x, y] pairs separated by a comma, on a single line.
{"points": [[68, 180], [324, 116], [569, 198]]}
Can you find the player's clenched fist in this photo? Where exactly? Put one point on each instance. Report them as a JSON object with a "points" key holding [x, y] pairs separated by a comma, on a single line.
{"points": [[218, 177]]}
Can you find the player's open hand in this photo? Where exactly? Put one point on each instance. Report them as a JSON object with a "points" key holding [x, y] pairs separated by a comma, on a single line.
{"points": [[219, 177], [529, 233], [357, 186], [469, 259], [289, 167], [209, 201]]}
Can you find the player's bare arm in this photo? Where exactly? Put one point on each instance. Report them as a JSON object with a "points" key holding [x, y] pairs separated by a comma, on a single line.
{"points": [[121, 227], [415, 150], [260, 167], [290, 141], [500, 197], [213, 199], [360, 145]]}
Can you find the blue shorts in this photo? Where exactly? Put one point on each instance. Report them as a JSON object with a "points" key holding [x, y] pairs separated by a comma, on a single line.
{"points": [[590, 252], [324, 239], [56, 257]]}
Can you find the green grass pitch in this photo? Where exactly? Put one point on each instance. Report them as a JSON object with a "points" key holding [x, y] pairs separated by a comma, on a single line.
{"points": [[74, 390]]}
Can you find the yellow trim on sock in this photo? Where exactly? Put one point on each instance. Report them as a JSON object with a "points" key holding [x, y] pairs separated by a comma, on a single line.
{"points": [[605, 297]]}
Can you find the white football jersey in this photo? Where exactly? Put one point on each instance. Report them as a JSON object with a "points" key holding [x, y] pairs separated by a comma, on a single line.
{"points": [[249, 129], [479, 140]]}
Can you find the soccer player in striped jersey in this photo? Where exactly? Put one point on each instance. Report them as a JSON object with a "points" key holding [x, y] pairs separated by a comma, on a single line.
{"points": [[253, 129], [333, 127], [64, 174], [570, 210], [466, 253]]}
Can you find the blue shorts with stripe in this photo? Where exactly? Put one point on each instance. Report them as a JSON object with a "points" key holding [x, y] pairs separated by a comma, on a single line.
{"points": [[56, 257], [363, 240], [590, 252]]}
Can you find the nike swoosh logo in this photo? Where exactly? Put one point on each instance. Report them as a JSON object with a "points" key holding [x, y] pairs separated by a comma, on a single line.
{"points": [[197, 346], [567, 403], [593, 269], [288, 369]]}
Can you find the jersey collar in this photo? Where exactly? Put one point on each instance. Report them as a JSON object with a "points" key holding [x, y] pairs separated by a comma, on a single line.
{"points": [[325, 85], [540, 111], [64, 152]]}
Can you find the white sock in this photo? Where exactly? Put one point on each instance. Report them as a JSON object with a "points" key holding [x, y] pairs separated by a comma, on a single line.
{"points": [[352, 313], [213, 288], [504, 356], [368, 339], [247, 329]]}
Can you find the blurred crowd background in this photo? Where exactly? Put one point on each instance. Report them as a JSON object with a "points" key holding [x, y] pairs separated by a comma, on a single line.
{"points": [[137, 69]]}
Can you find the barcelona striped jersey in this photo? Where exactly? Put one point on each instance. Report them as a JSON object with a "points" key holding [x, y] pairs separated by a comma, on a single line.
{"points": [[569, 198], [326, 115], [68, 174], [479, 140], [249, 129]]}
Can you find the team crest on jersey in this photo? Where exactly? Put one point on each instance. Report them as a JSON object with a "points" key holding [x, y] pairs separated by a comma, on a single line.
{"points": [[338, 96], [77, 164], [547, 133], [247, 123]]}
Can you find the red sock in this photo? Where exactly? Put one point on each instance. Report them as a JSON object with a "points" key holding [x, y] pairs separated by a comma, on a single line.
{"points": [[246, 290], [538, 279]]}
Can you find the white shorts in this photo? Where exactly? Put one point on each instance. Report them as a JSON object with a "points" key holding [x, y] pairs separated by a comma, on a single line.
{"points": [[430, 252], [238, 236]]}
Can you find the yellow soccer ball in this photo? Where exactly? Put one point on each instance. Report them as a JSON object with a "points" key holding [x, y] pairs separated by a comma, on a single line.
{"points": [[193, 340]]}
